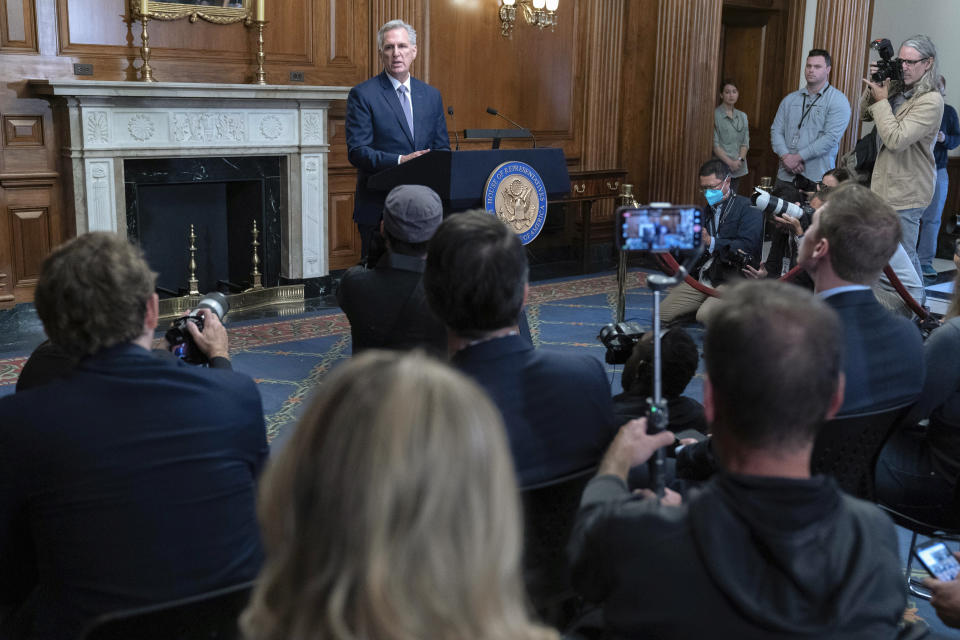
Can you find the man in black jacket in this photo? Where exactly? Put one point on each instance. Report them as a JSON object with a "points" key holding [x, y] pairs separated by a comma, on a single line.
{"points": [[732, 234], [764, 550], [386, 304]]}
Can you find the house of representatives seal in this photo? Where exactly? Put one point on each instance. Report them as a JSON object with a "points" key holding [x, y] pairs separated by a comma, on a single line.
{"points": [[515, 194]]}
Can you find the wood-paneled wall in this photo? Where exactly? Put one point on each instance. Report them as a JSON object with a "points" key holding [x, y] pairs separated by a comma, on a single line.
{"points": [[617, 83], [843, 29], [686, 64]]}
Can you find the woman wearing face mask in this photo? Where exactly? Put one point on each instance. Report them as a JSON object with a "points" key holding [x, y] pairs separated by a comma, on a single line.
{"points": [[731, 133]]}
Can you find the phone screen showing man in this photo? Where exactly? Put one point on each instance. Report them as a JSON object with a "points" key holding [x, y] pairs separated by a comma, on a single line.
{"points": [[938, 560]]}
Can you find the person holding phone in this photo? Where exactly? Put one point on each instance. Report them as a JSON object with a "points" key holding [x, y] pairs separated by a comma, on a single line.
{"points": [[945, 598]]}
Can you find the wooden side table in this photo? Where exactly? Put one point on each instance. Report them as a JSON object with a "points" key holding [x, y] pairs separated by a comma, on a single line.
{"points": [[586, 187]]}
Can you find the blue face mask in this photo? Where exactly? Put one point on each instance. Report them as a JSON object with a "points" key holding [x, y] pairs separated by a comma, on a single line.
{"points": [[713, 196]]}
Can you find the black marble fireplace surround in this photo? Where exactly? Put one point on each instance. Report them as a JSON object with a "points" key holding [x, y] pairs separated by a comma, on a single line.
{"points": [[221, 197]]}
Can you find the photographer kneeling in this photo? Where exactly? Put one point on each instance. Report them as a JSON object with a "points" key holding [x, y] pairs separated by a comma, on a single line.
{"points": [[906, 111], [129, 481], [732, 237]]}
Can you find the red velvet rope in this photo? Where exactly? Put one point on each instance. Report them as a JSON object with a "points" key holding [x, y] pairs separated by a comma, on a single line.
{"points": [[670, 267]]}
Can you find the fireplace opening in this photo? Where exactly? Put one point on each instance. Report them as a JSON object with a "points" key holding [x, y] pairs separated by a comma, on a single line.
{"points": [[221, 198]]}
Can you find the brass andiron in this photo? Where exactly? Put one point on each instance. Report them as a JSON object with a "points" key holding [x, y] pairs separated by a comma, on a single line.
{"points": [[193, 283], [255, 274], [146, 72]]}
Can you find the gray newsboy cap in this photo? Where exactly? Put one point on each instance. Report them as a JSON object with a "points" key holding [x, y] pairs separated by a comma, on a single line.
{"points": [[412, 213]]}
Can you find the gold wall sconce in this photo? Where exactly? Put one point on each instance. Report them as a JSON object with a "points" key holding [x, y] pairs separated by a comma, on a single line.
{"points": [[538, 13]]}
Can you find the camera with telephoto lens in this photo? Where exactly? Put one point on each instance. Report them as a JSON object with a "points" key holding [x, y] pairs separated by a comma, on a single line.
{"points": [[778, 207], [888, 67], [179, 338], [619, 339]]}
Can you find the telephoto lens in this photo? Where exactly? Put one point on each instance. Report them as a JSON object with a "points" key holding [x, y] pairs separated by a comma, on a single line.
{"points": [[774, 205]]}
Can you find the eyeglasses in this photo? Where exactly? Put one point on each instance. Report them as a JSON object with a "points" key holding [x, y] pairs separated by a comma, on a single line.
{"points": [[911, 63], [717, 186]]}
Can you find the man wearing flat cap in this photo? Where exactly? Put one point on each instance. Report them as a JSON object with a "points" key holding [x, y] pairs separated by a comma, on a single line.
{"points": [[386, 304]]}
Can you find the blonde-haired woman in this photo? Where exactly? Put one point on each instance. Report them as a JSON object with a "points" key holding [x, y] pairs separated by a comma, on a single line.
{"points": [[392, 513]]}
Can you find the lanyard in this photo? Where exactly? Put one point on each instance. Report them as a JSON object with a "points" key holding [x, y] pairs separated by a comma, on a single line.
{"points": [[805, 110]]}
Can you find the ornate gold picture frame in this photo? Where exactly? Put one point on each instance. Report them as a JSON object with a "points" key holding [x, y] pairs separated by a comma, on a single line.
{"points": [[225, 11]]}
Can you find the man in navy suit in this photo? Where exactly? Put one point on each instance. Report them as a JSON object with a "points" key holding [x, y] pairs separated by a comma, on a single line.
{"points": [[130, 480], [391, 118], [850, 240], [731, 225], [556, 407]]}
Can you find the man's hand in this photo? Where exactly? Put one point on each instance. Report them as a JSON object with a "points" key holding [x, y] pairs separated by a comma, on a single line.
{"points": [[632, 446], [212, 341], [705, 237], [793, 162], [941, 136], [946, 599], [757, 274], [879, 91], [411, 156], [790, 223], [670, 497]]}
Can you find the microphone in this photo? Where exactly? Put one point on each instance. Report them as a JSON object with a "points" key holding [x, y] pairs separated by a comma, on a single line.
{"points": [[455, 134], [494, 112]]}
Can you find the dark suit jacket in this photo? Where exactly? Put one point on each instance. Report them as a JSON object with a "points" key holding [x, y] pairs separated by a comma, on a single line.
{"points": [[741, 227], [556, 407], [883, 354], [387, 307], [129, 482], [377, 134]]}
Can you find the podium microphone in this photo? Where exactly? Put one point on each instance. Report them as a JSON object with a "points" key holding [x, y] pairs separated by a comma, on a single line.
{"points": [[494, 112], [456, 135]]}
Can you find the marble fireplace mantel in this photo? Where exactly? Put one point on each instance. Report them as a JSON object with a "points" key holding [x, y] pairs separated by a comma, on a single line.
{"points": [[108, 122]]}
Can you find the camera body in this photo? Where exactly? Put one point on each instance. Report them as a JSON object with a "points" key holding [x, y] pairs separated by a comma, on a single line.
{"points": [[178, 336], [738, 259], [619, 339], [888, 67]]}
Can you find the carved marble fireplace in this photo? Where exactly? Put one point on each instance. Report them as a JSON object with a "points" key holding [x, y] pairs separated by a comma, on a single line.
{"points": [[106, 123]]}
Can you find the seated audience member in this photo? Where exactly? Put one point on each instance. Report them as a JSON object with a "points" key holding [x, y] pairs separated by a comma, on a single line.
{"points": [[407, 528], [732, 227], [919, 465], [680, 358], [851, 239], [556, 406], [763, 550], [833, 178], [785, 233], [385, 305], [130, 481]]}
